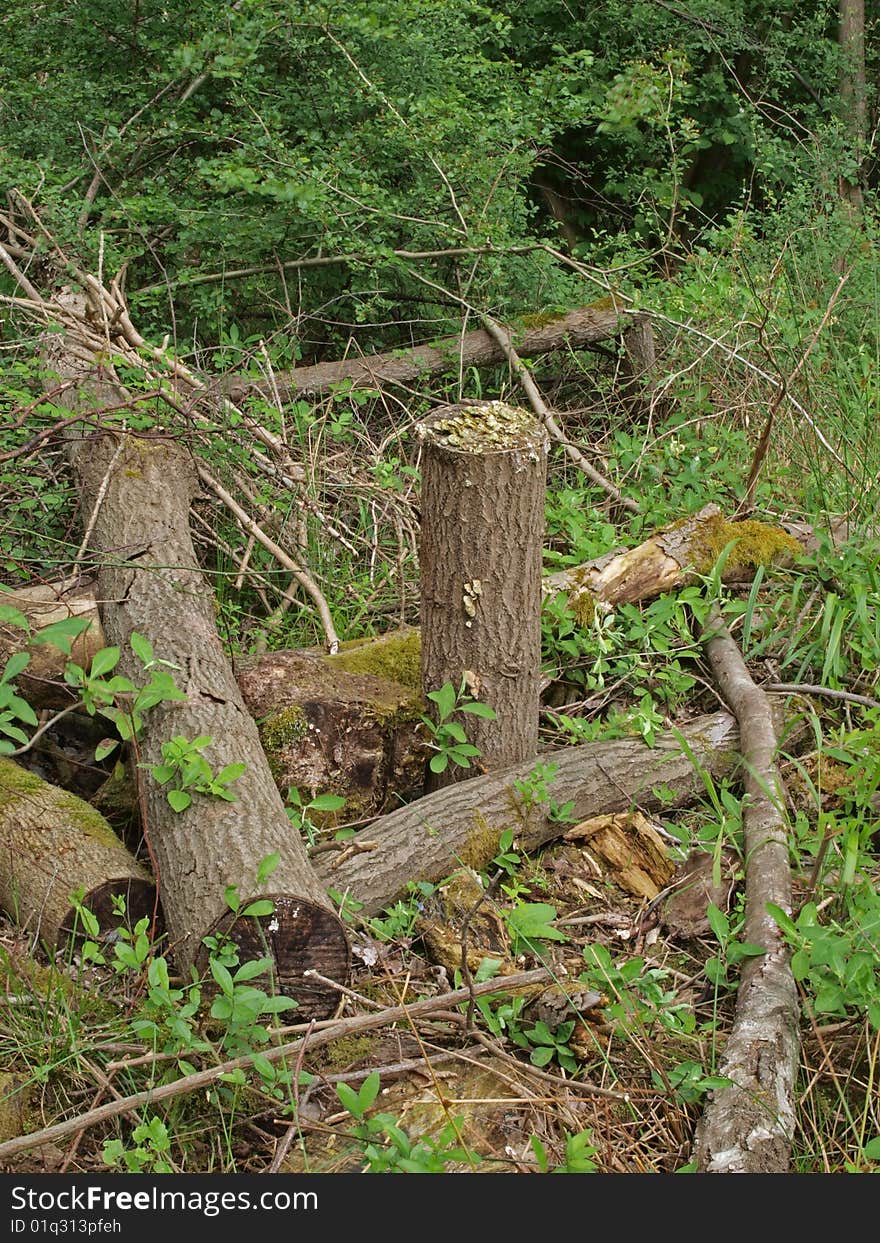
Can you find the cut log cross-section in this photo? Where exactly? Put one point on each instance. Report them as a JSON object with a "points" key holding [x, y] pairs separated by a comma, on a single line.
{"points": [[136, 493], [484, 470]]}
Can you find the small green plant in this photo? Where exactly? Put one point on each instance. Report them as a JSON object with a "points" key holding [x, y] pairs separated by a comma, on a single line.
{"points": [[151, 1154], [579, 1153], [731, 952], [117, 698], [299, 812], [640, 996], [400, 1154], [547, 1044], [838, 960], [447, 737], [534, 790], [529, 923], [187, 768]]}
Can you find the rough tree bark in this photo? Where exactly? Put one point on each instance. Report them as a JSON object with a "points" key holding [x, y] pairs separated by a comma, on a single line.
{"points": [[599, 321], [853, 94], [747, 1128], [428, 839], [484, 470], [52, 844], [136, 493]]}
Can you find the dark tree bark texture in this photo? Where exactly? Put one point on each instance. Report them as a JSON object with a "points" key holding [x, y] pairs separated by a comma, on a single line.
{"points": [[484, 469]]}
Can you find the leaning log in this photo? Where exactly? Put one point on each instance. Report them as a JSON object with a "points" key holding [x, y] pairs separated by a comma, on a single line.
{"points": [[462, 824], [53, 846], [600, 321], [136, 493], [484, 467]]}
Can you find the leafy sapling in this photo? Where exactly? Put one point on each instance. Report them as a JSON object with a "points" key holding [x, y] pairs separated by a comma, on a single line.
{"points": [[191, 773], [447, 737]]}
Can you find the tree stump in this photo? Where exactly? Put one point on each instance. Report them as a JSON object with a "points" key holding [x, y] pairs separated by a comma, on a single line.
{"points": [[484, 469]]}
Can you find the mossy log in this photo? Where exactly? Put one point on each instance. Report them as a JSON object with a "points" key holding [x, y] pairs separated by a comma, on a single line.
{"points": [[599, 321], [672, 557], [328, 731], [138, 492], [462, 824], [52, 845]]}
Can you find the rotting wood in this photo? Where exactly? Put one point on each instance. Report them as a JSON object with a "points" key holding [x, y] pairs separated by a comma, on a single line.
{"points": [[747, 1128]]}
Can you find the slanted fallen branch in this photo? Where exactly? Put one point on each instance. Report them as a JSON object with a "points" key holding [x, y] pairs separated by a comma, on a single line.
{"points": [[136, 493], [600, 321], [316, 1035], [747, 1127]]}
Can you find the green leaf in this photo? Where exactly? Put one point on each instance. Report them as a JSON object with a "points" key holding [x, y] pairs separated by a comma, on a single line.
{"points": [[16, 664], [141, 647], [478, 709], [541, 1056], [179, 799], [230, 773], [62, 633], [106, 747], [718, 922], [438, 763], [349, 1099], [264, 1067], [222, 977], [13, 617], [252, 968], [268, 865], [369, 1091], [327, 802], [103, 661], [444, 699], [263, 906]]}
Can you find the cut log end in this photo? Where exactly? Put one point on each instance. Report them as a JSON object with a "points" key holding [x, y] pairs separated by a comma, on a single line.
{"points": [[298, 936], [138, 895]]}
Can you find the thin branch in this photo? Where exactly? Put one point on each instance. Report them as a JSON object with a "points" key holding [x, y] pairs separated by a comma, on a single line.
{"points": [[502, 336], [315, 1039], [302, 576]]}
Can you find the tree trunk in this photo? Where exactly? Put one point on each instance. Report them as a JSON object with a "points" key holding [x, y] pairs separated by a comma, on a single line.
{"points": [[136, 493], [428, 839], [484, 470], [853, 94], [52, 845], [585, 326]]}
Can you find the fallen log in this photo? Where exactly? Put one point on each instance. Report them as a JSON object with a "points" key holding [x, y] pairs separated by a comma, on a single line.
{"points": [[53, 845], [136, 492], [462, 824], [747, 1128], [585, 326]]}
